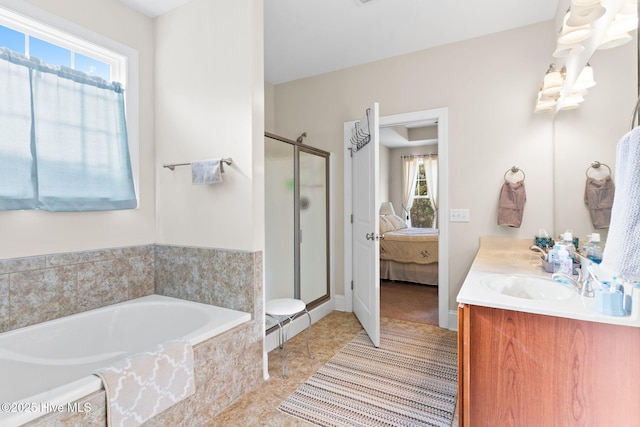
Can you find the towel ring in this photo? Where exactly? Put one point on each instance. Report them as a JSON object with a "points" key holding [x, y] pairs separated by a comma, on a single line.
{"points": [[514, 170], [596, 165]]}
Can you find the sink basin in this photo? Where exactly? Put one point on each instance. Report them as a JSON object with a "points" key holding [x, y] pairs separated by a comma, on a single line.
{"points": [[528, 287]]}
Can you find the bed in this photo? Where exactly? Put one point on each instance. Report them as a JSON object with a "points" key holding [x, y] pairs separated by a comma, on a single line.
{"points": [[408, 254]]}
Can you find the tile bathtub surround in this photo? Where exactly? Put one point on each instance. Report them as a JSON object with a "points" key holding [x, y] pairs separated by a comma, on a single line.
{"points": [[226, 278], [40, 288], [226, 366]]}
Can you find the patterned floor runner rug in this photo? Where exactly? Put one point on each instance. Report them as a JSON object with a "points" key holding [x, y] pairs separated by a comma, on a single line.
{"points": [[411, 380]]}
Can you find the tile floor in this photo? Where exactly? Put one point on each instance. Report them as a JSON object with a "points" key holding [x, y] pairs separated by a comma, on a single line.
{"points": [[328, 336]]}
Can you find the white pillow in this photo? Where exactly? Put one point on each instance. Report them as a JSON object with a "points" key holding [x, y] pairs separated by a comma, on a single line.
{"points": [[385, 225], [397, 222]]}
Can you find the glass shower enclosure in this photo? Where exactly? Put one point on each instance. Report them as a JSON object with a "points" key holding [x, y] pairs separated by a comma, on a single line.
{"points": [[297, 221]]}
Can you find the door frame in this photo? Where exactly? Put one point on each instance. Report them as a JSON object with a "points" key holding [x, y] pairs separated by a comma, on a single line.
{"points": [[446, 319]]}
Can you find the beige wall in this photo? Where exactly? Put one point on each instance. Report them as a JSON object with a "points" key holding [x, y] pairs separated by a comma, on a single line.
{"points": [[489, 86], [25, 233], [209, 104], [201, 96]]}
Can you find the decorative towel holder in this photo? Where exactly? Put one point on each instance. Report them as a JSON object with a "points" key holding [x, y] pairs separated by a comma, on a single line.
{"points": [[172, 166], [596, 165], [514, 170]]}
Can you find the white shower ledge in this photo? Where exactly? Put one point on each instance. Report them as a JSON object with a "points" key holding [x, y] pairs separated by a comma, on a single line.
{"points": [[500, 255]]}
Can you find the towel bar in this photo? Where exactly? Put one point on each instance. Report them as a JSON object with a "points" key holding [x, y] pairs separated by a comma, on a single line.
{"points": [[172, 166]]}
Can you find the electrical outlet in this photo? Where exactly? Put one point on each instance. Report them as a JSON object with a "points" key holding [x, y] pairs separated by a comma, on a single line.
{"points": [[458, 215]]}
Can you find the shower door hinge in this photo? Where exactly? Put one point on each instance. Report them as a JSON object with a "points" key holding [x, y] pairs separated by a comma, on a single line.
{"points": [[352, 285]]}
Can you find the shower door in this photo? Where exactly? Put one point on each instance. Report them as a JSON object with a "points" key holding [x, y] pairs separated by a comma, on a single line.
{"points": [[297, 231]]}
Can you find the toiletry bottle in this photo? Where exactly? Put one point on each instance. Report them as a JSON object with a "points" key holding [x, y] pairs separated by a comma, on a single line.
{"points": [[565, 262], [595, 253], [567, 238]]}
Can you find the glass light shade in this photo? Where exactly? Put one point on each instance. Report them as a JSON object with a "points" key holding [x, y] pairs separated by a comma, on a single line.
{"points": [[552, 82], [614, 40], [544, 108], [571, 35], [544, 104], [585, 79], [584, 15], [623, 24], [564, 50], [571, 102]]}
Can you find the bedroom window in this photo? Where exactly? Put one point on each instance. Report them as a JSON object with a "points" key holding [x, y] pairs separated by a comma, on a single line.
{"points": [[422, 212], [64, 144]]}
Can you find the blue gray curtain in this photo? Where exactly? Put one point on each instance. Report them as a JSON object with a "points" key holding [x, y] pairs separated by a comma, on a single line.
{"points": [[63, 139]]}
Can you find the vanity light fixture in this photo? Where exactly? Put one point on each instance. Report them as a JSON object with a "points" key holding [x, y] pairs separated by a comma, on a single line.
{"points": [[585, 79], [624, 22], [585, 26]]}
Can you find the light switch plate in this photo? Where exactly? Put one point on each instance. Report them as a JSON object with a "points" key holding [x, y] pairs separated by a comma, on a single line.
{"points": [[458, 215]]}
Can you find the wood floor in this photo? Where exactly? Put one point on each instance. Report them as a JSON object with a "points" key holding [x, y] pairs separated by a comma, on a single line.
{"points": [[409, 301]]}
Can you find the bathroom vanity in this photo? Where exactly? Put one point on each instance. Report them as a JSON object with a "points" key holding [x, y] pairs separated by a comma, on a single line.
{"points": [[540, 358]]}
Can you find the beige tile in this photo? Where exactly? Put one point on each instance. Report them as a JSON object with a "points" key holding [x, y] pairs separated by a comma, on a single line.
{"points": [[328, 336]]}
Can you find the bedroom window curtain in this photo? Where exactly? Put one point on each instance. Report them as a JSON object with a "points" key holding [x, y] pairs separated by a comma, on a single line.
{"points": [[431, 174], [409, 175], [64, 140]]}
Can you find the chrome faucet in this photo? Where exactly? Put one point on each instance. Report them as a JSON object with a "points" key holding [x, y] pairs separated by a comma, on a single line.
{"points": [[536, 248], [583, 284]]}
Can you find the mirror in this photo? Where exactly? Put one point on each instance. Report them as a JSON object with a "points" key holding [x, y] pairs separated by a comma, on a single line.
{"points": [[591, 133]]}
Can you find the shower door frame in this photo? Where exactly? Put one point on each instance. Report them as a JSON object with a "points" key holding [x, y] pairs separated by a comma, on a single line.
{"points": [[300, 147]]}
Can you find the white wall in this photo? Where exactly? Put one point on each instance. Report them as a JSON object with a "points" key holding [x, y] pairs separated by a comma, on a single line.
{"points": [[489, 85], [26, 233], [210, 104], [384, 174]]}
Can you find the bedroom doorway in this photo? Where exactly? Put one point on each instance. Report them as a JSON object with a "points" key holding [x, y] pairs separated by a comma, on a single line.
{"points": [[413, 119]]}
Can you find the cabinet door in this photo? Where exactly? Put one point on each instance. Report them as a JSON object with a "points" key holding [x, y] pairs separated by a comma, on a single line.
{"points": [[522, 369]]}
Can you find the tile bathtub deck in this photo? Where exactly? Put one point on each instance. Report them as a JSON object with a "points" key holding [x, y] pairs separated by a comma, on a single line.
{"points": [[328, 336]]}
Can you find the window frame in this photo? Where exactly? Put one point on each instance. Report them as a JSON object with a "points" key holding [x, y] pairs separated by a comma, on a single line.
{"points": [[54, 29]]}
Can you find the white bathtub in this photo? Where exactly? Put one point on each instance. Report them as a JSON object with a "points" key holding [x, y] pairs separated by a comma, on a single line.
{"points": [[51, 363]]}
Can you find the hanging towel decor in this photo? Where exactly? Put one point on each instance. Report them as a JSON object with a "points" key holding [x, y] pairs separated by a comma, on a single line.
{"points": [[622, 249], [598, 195], [512, 200], [206, 171]]}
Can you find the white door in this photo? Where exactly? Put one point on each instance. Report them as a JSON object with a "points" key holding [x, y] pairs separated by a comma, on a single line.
{"points": [[366, 247]]}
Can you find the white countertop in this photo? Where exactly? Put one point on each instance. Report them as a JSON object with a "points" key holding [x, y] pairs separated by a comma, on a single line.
{"points": [[500, 255]]}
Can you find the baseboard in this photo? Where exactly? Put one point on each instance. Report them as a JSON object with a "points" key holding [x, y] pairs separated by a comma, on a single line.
{"points": [[453, 320], [341, 303]]}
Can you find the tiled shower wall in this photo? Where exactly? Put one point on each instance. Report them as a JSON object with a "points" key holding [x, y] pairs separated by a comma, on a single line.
{"points": [[40, 288]]}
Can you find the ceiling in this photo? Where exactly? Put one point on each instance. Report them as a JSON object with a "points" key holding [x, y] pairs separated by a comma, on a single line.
{"points": [[304, 38]]}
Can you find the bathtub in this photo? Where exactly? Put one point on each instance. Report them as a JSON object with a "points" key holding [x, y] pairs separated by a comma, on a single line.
{"points": [[45, 367]]}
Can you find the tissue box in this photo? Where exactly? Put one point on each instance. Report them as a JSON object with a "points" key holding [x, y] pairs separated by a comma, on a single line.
{"points": [[544, 243], [610, 303]]}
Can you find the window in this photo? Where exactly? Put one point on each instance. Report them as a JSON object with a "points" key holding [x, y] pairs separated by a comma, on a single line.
{"points": [[64, 135], [422, 212]]}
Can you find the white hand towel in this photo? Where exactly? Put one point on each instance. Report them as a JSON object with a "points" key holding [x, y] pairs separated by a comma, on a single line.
{"points": [[206, 172], [622, 249]]}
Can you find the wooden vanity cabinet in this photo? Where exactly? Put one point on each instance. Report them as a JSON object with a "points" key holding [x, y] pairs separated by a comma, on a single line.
{"points": [[522, 369]]}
